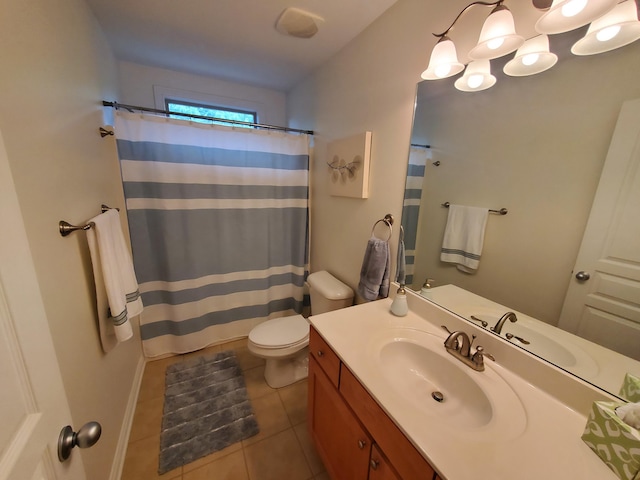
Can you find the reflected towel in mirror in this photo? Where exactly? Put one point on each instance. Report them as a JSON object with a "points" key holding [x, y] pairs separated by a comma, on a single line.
{"points": [[464, 237]]}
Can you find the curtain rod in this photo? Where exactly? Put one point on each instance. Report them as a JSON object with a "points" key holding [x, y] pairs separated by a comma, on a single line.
{"points": [[117, 105]]}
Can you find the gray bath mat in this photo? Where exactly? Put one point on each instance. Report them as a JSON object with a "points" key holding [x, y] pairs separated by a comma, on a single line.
{"points": [[206, 409]]}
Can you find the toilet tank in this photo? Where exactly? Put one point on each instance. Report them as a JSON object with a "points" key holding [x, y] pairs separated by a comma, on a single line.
{"points": [[328, 293]]}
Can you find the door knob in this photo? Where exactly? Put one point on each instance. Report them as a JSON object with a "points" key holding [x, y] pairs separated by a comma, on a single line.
{"points": [[86, 437], [583, 276]]}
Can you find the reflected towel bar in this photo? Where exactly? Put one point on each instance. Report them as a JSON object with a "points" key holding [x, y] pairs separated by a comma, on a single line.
{"points": [[502, 211], [66, 228]]}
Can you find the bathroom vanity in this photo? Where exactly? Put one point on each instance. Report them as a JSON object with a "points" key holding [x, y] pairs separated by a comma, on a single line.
{"points": [[387, 401], [350, 429]]}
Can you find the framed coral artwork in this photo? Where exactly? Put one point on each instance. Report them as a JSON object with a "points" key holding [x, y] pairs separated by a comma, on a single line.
{"points": [[348, 166]]}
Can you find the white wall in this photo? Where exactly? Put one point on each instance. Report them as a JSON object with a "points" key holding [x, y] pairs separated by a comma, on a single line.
{"points": [[56, 69], [138, 84]]}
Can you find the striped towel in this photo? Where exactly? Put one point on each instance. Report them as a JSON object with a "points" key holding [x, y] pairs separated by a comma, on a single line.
{"points": [[464, 237], [114, 276]]}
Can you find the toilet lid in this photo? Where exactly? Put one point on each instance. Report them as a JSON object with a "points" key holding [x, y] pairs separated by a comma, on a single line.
{"points": [[280, 332]]}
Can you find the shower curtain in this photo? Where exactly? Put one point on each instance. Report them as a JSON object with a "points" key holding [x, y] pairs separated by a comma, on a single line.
{"points": [[218, 218], [418, 157]]}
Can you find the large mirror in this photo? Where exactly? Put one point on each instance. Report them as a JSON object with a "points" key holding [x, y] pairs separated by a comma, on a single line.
{"points": [[536, 146]]}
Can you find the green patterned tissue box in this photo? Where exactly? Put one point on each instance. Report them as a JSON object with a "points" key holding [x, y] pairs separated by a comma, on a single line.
{"points": [[616, 443], [630, 389]]}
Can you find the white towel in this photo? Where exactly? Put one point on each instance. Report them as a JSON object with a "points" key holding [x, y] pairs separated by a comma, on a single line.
{"points": [[464, 237], [114, 276]]}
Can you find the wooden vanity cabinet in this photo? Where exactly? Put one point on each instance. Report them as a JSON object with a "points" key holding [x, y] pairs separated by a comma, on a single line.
{"points": [[341, 440], [354, 437]]}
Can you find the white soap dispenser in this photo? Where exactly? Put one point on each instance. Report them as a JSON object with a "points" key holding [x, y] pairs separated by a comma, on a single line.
{"points": [[425, 291], [399, 305]]}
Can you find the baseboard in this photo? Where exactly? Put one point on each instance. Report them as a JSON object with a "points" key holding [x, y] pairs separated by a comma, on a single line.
{"points": [[127, 422]]}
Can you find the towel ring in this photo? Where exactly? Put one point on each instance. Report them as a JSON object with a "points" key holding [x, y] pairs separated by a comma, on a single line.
{"points": [[388, 221]]}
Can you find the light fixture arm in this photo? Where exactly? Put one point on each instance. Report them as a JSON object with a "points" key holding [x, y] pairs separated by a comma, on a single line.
{"points": [[497, 3]]}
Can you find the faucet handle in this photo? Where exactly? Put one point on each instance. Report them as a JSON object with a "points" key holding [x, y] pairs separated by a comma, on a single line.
{"points": [[478, 357]]}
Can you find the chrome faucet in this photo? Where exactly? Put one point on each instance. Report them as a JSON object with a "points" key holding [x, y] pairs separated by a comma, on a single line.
{"points": [[507, 316], [458, 344]]}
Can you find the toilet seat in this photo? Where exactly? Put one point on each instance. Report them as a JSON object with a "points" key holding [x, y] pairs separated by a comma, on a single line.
{"points": [[280, 333]]}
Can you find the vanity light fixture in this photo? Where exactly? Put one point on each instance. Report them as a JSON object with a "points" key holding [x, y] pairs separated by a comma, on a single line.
{"points": [[615, 29], [476, 77], [565, 15], [531, 58], [496, 39], [613, 25]]}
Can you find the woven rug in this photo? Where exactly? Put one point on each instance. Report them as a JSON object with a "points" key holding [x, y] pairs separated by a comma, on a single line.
{"points": [[206, 409]]}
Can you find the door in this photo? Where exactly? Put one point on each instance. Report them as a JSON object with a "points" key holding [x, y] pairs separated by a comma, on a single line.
{"points": [[33, 405], [603, 299]]}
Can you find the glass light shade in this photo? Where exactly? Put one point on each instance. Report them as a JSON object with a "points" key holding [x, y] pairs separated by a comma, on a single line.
{"points": [[565, 15], [531, 58], [443, 62], [498, 36], [615, 29], [476, 77]]}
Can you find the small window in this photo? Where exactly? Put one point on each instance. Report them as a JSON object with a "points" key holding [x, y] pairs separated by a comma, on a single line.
{"points": [[204, 110]]}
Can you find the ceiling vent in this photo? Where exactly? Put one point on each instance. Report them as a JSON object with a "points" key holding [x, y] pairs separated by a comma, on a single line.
{"points": [[298, 23]]}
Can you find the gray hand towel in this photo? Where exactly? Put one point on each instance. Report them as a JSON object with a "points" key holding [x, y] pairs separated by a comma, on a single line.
{"points": [[374, 274], [401, 264]]}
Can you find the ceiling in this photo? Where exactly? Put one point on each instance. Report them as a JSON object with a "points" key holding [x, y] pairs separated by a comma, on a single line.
{"points": [[231, 39]]}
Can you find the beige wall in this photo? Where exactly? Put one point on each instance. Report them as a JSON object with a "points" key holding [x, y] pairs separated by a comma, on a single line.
{"points": [[138, 83], [369, 85], [56, 69]]}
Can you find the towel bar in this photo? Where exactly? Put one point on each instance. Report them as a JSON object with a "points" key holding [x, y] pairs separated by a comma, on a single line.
{"points": [[66, 228], [502, 211]]}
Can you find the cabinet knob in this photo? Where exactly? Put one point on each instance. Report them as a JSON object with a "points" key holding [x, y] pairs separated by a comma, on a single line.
{"points": [[361, 444], [320, 353], [374, 464]]}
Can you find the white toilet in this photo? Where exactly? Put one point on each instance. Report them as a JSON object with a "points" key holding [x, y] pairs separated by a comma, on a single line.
{"points": [[283, 342]]}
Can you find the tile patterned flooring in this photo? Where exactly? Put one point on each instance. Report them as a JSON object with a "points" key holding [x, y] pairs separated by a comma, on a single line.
{"points": [[281, 451]]}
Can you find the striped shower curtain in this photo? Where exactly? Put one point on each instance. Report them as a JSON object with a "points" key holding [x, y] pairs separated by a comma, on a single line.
{"points": [[411, 206], [218, 218]]}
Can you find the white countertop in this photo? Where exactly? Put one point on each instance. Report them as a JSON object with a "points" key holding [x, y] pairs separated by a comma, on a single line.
{"points": [[548, 447]]}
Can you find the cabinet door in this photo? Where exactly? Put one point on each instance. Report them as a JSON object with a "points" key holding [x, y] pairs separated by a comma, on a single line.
{"points": [[406, 460], [379, 467], [340, 439]]}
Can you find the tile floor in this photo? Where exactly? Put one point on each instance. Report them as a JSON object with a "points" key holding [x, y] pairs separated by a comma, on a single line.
{"points": [[281, 451]]}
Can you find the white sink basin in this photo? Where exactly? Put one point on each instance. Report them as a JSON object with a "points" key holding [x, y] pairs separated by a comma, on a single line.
{"points": [[418, 369], [566, 355], [562, 352]]}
